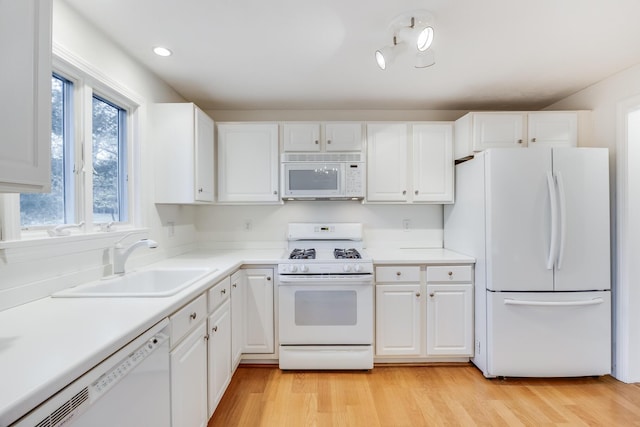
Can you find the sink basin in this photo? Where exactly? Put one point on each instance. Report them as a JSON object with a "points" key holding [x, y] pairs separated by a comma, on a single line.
{"points": [[160, 282]]}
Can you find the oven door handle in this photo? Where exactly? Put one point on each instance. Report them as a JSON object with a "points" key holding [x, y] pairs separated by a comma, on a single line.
{"points": [[355, 279]]}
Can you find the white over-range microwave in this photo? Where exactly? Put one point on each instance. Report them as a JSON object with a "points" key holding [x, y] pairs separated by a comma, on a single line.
{"points": [[331, 176]]}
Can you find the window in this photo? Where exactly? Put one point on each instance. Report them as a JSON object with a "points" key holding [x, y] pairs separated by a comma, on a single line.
{"points": [[55, 207], [89, 179], [109, 162]]}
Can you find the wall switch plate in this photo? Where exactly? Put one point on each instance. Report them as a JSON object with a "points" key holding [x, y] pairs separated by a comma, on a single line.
{"points": [[171, 228]]}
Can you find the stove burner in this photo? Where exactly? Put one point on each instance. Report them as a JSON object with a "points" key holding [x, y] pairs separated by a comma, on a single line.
{"points": [[346, 254], [303, 254]]}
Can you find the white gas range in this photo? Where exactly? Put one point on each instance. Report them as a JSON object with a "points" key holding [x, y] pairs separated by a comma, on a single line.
{"points": [[326, 298]]}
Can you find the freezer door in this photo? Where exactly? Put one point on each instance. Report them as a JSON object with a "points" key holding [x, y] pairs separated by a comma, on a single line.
{"points": [[555, 334], [518, 221], [582, 181]]}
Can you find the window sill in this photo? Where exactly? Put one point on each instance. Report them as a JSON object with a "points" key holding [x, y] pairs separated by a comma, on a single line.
{"points": [[40, 245]]}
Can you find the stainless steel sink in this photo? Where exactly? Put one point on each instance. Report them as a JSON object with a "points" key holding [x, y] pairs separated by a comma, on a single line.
{"points": [[159, 282]]}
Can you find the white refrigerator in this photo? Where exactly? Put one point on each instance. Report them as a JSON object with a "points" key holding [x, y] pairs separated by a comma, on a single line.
{"points": [[537, 222]]}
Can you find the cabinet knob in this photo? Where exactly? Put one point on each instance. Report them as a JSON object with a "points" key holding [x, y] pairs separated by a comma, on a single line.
{"points": [[404, 192], [214, 329], [533, 140], [193, 315], [316, 142], [416, 192], [432, 294], [519, 141], [328, 141], [417, 294], [275, 192], [224, 291], [235, 285], [268, 278], [200, 190], [450, 273], [206, 337], [398, 273]]}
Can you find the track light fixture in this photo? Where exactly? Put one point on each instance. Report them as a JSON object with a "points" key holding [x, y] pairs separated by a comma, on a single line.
{"points": [[412, 31]]}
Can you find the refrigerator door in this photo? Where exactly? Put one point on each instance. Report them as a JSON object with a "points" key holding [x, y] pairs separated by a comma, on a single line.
{"points": [[548, 334], [518, 225], [582, 182]]}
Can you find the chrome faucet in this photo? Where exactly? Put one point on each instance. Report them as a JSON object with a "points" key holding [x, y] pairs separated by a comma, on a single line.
{"points": [[120, 254]]}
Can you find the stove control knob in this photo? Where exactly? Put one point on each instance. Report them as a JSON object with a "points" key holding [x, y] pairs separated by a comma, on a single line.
{"points": [[293, 268], [304, 268], [346, 268], [357, 268]]}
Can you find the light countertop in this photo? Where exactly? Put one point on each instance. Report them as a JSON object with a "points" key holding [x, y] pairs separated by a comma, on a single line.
{"points": [[48, 343]]}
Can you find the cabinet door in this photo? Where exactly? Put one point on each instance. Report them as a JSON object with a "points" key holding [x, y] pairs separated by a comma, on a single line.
{"points": [[387, 163], [248, 163], [450, 320], [25, 118], [301, 136], [553, 129], [498, 130], [219, 324], [343, 136], [204, 157], [433, 163], [258, 310], [189, 380], [237, 317], [398, 319]]}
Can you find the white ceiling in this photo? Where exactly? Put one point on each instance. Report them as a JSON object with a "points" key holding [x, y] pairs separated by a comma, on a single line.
{"points": [[319, 54]]}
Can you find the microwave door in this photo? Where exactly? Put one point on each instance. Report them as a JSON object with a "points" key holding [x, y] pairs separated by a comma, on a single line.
{"points": [[313, 180]]}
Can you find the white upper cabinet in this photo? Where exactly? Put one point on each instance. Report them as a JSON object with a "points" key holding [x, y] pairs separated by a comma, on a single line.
{"points": [[182, 136], [248, 163], [25, 75], [478, 131], [410, 163], [331, 136], [433, 162]]}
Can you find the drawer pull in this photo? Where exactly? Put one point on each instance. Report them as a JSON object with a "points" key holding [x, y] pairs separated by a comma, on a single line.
{"points": [[193, 315], [398, 273], [432, 294], [214, 329], [224, 291], [418, 294], [268, 278], [235, 285]]}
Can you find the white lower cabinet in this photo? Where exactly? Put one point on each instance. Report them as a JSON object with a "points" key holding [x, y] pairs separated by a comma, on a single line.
{"points": [[219, 351], [237, 317], [258, 311], [399, 310], [449, 311], [189, 380]]}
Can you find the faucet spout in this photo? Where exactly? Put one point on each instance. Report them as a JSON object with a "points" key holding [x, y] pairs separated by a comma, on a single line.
{"points": [[120, 254]]}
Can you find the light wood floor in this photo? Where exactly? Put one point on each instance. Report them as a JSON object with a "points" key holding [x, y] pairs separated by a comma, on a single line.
{"points": [[421, 396]]}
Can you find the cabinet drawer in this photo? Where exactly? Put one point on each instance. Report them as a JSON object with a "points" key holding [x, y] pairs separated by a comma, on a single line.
{"points": [[183, 320], [450, 273], [219, 293], [398, 274]]}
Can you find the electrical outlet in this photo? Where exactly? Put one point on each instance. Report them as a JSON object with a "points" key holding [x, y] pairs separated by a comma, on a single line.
{"points": [[406, 224], [248, 225], [171, 228]]}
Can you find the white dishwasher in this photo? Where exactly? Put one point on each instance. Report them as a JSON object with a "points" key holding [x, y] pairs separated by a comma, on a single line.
{"points": [[129, 388]]}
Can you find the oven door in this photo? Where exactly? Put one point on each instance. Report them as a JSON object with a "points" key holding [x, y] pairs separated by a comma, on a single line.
{"points": [[325, 311]]}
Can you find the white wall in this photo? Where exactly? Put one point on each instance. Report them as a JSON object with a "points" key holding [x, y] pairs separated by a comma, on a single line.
{"points": [[603, 99], [31, 272]]}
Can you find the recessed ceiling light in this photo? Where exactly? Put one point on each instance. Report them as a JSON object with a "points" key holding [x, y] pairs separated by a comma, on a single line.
{"points": [[162, 51]]}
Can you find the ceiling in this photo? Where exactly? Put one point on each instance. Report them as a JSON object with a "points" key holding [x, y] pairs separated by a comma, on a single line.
{"points": [[319, 54]]}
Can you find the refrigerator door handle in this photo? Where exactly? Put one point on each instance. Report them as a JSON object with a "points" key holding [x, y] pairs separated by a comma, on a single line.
{"points": [[554, 221], [563, 219], [594, 301]]}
